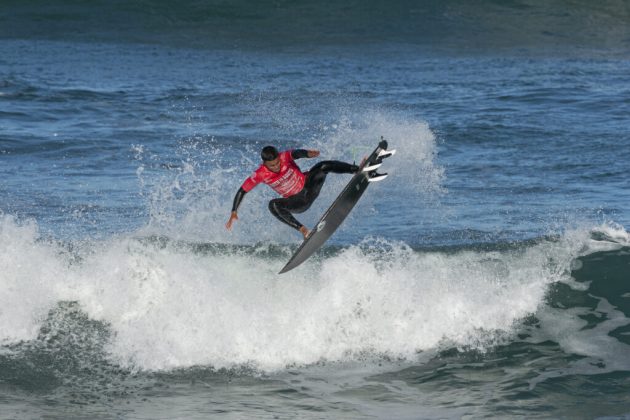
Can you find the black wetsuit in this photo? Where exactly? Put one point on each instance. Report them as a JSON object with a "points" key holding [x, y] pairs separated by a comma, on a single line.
{"points": [[302, 201]]}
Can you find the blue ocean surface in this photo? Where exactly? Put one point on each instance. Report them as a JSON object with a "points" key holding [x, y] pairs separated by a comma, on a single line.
{"points": [[487, 277]]}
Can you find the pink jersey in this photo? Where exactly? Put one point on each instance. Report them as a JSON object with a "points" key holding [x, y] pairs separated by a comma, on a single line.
{"points": [[289, 181]]}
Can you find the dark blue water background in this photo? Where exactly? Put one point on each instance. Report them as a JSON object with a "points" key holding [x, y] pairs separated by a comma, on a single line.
{"points": [[487, 276]]}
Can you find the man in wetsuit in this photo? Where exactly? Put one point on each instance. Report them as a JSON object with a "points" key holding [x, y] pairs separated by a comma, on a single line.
{"points": [[298, 189]]}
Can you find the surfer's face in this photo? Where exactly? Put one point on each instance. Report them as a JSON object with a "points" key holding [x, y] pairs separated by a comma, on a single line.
{"points": [[273, 165]]}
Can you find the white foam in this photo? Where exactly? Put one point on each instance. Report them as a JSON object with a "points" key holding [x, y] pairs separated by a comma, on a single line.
{"points": [[612, 236], [169, 307], [29, 274], [602, 353]]}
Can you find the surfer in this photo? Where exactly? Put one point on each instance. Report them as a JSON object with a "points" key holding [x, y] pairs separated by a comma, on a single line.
{"points": [[298, 189]]}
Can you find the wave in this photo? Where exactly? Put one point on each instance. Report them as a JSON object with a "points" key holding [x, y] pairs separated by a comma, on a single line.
{"points": [[451, 24], [155, 304]]}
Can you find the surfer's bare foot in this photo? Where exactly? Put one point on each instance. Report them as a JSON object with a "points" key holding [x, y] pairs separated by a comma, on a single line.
{"points": [[304, 231]]}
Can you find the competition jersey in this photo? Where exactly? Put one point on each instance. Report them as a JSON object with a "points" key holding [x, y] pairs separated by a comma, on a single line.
{"points": [[289, 181]]}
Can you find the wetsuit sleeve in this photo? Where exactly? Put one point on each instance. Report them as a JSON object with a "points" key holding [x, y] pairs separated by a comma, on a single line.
{"points": [[238, 198], [299, 153], [247, 186]]}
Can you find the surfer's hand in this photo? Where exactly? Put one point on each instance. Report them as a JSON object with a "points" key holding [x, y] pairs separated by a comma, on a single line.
{"points": [[233, 217], [304, 231], [313, 153]]}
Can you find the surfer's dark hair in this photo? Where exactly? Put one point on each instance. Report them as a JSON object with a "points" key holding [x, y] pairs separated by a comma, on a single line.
{"points": [[269, 153]]}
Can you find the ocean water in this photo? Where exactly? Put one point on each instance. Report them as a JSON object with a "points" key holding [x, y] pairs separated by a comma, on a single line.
{"points": [[487, 277]]}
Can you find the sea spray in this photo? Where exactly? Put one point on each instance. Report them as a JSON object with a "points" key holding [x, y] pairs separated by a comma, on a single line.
{"points": [[192, 199]]}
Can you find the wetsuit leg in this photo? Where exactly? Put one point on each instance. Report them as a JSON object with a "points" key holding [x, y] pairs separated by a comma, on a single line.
{"points": [[302, 201], [283, 207], [317, 175]]}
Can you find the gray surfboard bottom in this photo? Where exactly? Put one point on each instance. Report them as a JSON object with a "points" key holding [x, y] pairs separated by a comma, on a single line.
{"points": [[337, 212]]}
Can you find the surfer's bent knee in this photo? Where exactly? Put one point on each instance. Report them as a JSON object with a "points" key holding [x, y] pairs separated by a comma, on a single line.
{"points": [[282, 214], [273, 207]]}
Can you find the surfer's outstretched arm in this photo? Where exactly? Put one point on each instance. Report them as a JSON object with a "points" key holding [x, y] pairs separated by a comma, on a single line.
{"points": [[237, 202]]}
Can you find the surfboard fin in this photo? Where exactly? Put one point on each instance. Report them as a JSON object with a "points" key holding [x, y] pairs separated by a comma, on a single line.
{"points": [[386, 153], [371, 167], [377, 177]]}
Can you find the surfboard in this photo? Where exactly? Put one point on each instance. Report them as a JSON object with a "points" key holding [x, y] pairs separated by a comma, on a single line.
{"points": [[341, 207]]}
